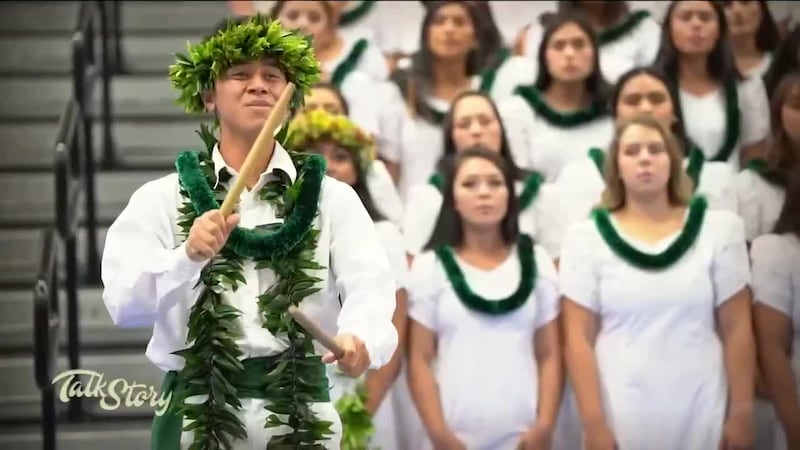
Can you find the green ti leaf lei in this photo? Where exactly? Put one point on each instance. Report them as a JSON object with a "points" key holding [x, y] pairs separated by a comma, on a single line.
{"points": [[611, 34], [212, 358], [533, 97], [354, 15], [349, 64], [357, 426]]}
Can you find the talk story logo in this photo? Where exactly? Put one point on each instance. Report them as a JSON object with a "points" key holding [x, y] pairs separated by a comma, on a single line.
{"points": [[112, 394]]}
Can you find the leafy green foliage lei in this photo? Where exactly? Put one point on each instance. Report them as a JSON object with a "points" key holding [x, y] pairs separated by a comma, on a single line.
{"points": [[212, 358], [194, 73]]}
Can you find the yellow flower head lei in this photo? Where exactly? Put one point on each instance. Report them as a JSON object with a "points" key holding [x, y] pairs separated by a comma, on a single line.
{"points": [[243, 40], [311, 126]]}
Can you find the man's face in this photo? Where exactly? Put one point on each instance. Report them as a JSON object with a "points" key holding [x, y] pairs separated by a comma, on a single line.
{"points": [[245, 94]]}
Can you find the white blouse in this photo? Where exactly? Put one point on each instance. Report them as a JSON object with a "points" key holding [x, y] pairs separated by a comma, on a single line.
{"points": [[776, 283], [544, 220], [384, 193], [760, 203], [539, 145], [705, 117], [487, 402]]}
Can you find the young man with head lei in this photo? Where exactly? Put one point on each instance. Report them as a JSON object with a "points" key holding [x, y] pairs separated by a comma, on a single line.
{"points": [[242, 373]]}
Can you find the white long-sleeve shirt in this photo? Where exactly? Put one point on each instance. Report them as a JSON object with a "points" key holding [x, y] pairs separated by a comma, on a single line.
{"points": [[150, 281]]}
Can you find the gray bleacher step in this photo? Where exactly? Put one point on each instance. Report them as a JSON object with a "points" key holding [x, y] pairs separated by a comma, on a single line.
{"points": [[96, 327], [33, 201], [137, 16], [52, 54], [138, 143], [186, 16], [22, 249], [118, 435], [38, 16], [44, 98], [19, 395]]}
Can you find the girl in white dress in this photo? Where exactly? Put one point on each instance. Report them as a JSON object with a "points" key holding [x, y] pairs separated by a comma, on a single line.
{"points": [[484, 305], [761, 187], [473, 122], [627, 38], [644, 90], [448, 63], [349, 153], [726, 115], [355, 67], [558, 118], [656, 308], [776, 290], [753, 35], [378, 179]]}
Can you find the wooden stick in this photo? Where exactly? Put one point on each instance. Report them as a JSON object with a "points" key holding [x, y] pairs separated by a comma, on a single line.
{"points": [[319, 334], [261, 148]]}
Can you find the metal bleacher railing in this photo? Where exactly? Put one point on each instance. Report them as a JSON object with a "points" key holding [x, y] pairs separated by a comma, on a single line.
{"points": [[74, 166]]}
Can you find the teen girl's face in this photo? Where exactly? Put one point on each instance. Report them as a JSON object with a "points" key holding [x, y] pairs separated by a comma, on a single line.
{"points": [[475, 123], [569, 54], [645, 94], [309, 17], [694, 27], [451, 34], [324, 99], [340, 162], [480, 193], [644, 164], [743, 17]]}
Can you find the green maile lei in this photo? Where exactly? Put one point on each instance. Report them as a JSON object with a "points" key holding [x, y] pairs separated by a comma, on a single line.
{"points": [[693, 169], [354, 15], [357, 426], [533, 97], [771, 176], [349, 64], [479, 304], [530, 190], [615, 32], [649, 261], [212, 358]]}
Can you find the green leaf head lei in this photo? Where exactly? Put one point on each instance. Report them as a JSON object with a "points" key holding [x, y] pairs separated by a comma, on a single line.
{"points": [[309, 127], [195, 72]]}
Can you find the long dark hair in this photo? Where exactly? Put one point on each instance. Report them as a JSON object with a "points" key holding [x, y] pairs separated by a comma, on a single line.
{"points": [[329, 87], [416, 83], [678, 129], [720, 62], [789, 219], [782, 155], [489, 36], [450, 145], [595, 83], [615, 9], [449, 229], [767, 36], [785, 59]]}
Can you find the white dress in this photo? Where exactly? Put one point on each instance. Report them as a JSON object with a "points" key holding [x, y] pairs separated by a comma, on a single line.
{"points": [[760, 203], [486, 370], [385, 436], [776, 283], [659, 358], [544, 219], [581, 186], [637, 48], [384, 193], [705, 118], [537, 144]]}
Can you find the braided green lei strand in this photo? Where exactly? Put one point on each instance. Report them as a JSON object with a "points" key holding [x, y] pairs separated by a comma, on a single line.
{"points": [[212, 358]]}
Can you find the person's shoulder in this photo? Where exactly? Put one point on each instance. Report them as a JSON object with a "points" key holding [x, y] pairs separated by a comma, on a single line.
{"points": [[388, 231]]}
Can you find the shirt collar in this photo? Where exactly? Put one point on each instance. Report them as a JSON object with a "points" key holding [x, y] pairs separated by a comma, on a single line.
{"points": [[281, 160]]}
